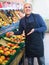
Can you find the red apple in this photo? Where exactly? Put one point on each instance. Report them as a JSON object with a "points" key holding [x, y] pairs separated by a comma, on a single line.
{"points": [[5, 49], [0, 48], [7, 53], [2, 57], [13, 52], [12, 45]]}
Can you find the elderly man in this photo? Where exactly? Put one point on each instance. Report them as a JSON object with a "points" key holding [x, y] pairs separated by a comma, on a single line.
{"points": [[34, 26]]}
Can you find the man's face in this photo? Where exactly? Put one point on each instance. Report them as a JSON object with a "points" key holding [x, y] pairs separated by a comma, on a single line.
{"points": [[27, 9]]}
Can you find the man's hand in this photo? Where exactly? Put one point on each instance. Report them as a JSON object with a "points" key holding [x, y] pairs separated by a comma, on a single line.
{"points": [[31, 32], [8, 34]]}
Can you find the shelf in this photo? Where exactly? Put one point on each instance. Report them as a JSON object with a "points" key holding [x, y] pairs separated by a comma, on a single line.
{"points": [[10, 8], [11, 27]]}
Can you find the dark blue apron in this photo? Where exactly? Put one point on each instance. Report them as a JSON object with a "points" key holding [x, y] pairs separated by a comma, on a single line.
{"points": [[34, 42]]}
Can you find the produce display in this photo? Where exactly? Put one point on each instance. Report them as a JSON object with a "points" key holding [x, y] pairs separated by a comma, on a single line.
{"points": [[12, 47], [15, 38], [2, 22], [13, 43], [20, 14], [14, 17], [9, 49], [7, 17], [7, 52], [3, 59]]}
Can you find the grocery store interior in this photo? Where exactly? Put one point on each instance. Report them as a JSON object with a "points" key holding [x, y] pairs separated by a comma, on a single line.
{"points": [[12, 49]]}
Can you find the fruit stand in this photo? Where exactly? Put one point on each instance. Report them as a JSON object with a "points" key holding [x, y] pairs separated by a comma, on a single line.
{"points": [[11, 48], [10, 54]]}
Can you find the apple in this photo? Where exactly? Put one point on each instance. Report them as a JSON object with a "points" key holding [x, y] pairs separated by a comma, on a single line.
{"points": [[8, 44], [17, 46], [1, 51], [5, 49], [12, 45], [1, 61], [15, 41], [10, 50], [4, 62], [11, 39], [2, 57], [7, 58], [7, 53], [13, 52], [0, 48], [7, 34]]}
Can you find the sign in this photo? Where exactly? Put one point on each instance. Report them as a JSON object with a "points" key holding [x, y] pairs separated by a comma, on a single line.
{"points": [[17, 4]]}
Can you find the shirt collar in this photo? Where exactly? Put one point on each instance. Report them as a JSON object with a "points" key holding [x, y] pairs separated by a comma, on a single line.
{"points": [[28, 16]]}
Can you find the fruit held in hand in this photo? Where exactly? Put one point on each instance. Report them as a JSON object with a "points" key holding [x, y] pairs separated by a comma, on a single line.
{"points": [[8, 34]]}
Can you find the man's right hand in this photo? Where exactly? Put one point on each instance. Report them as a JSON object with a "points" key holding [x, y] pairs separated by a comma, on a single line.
{"points": [[8, 34]]}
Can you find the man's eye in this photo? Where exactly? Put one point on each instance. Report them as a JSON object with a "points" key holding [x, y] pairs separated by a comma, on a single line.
{"points": [[28, 7]]}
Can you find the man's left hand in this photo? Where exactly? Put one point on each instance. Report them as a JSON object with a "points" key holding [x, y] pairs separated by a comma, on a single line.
{"points": [[31, 32]]}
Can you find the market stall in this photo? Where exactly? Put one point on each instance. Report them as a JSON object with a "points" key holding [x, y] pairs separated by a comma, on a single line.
{"points": [[10, 54], [11, 48]]}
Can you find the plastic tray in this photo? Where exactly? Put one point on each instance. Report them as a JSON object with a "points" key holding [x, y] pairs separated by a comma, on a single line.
{"points": [[12, 57], [7, 39]]}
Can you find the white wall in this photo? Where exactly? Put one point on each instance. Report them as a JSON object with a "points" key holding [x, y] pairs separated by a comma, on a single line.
{"points": [[41, 7]]}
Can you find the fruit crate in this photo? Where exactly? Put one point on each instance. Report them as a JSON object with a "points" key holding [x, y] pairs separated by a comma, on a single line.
{"points": [[21, 44], [7, 39], [11, 57], [14, 39]]}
